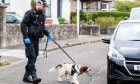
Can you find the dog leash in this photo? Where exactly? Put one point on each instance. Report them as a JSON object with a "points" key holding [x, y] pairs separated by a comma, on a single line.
{"points": [[45, 51], [63, 51]]}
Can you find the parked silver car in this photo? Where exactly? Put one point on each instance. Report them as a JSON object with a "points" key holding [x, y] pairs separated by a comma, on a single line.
{"points": [[13, 18]]}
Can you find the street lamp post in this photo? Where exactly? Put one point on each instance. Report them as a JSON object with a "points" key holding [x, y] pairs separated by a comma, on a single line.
{"points": [[78, 16]]}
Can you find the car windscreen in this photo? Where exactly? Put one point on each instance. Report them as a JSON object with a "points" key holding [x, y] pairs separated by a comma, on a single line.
{"points": [[135, 14], [128, 31], [18, 17]]}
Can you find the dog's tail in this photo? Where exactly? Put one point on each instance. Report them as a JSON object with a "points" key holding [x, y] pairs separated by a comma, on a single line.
{"points": [[54, 68]]}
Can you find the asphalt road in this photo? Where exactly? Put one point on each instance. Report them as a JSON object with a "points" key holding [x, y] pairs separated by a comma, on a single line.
{"points": [[93, 54]]}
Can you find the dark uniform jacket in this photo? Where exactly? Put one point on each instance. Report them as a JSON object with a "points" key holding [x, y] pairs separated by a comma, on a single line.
{"points": [[33, 26]]}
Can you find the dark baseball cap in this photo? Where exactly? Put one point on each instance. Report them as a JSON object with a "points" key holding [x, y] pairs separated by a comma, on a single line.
{"points": [[42, 2]]}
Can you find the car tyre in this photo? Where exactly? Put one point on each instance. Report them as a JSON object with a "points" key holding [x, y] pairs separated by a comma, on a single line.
{"points": [[109, 81]]}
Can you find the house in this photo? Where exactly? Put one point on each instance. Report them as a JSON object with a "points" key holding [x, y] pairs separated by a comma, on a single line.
{"points": [[92, 5], [17, 6], [56, 8]]}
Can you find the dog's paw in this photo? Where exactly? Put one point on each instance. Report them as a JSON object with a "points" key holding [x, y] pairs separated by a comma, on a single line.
{"points": [[74, 82], [68, 78]]}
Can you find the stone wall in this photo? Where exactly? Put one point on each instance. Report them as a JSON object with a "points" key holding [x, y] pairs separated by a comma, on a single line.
{"points": [[13, 35], [103, 30], [95, 30], [63, 31], [90, 30], [2, 24], [108, 31]]}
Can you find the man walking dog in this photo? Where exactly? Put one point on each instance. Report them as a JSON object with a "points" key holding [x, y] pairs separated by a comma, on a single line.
{"points": [[33, 29]]}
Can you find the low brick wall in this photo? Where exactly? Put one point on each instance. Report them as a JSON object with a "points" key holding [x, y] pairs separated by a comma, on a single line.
{"points": [[13, 35], [108, 31], [64, 31], [90, 30], [103, 30]]}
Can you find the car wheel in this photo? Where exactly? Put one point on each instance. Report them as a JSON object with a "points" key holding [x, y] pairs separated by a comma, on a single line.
{"points": [[109, 81]]}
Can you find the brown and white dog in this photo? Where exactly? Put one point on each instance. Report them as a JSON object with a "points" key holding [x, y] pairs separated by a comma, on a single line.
{"points": [[67, 70]]}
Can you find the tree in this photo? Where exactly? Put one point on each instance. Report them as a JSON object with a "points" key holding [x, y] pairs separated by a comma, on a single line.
{"points": [[33, 3]]}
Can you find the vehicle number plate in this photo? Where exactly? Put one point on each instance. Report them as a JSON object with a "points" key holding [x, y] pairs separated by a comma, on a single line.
{"points": [[137, 67]]}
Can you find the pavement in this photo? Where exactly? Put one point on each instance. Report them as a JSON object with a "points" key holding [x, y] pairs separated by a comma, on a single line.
{"points": [[17, 54]]}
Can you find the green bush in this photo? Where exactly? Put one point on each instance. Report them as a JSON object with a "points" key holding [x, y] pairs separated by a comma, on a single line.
{"points": [[105, 22], [33, 3], [61, 20], [73, 19], [87, 16], [126, 6]]}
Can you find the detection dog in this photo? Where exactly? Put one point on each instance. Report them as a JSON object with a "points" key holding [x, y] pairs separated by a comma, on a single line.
{"points": [[73, 70]]}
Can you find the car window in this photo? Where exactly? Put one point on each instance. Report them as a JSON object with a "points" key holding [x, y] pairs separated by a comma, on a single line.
{"points": [[7, 18], [18, 17], [10, 18], [13, 18], [128, 31]]}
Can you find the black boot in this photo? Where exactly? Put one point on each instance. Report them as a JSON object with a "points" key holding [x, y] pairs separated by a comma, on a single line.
{"points": [[26, 78], [35, 79]]}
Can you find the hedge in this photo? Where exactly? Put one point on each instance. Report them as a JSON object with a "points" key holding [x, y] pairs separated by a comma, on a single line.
{"points": [[88, 16], [105, 22], [126, 6]]}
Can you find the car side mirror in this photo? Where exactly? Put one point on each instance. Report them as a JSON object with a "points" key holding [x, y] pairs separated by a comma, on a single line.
{"points": [[106, 40]]}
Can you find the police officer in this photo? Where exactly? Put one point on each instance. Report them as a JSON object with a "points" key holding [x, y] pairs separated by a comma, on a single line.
{"points": [[33, 29]]}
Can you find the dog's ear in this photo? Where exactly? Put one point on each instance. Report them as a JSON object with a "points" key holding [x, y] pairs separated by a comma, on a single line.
{"points": [[83, 69]]}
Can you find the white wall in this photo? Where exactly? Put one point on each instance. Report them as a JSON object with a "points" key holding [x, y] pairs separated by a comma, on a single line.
{"points": [[54, 11], [66, 9], [19, 6]]}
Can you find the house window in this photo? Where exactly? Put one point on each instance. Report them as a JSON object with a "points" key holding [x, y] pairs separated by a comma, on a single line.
{"points": [[59, 8], [48, 9], [104, 6]]}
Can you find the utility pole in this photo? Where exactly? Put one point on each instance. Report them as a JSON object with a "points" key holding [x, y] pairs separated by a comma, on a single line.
{"points": [[78, 17]]}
